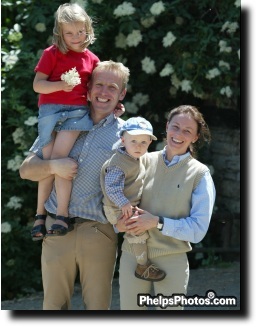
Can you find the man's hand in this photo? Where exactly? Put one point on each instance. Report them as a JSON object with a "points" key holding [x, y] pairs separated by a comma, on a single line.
{"points": [[65, 167], [35, 169]]}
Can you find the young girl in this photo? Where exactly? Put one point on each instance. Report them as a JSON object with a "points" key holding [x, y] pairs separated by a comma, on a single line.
{"points": [[63, 110]]}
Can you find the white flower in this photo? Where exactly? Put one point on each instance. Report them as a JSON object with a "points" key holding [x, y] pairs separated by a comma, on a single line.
{"points": [[6, 227], [198, 95], [168, 39], [31, 121], [224, 26], [140, 99], [124, 61], [226, 91], [179, 20], [167, 70], [238, 53], [173, 91], [148, 65], [40, 27], [230, 27], [224, 64], [227, 49], [237, 3], [17, 135], [131, 107], [83, 3], [120, 41], [157, 8], [16, 28], [212, 73], [125, 9], [2, 84], [14, 203], [175, 81], [134, 38], [148, 21], [11, 58], [185, 85], [26, 153], [223, 47], [10, 262], [14, 164], [71, 77]]}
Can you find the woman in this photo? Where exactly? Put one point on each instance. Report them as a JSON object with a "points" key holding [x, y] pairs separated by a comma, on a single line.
{"points": [[175, 209]]}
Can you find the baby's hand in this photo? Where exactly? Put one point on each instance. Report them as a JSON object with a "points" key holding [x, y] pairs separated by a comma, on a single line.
{"points": [[127, 210], [66, 87], [119, 109]]}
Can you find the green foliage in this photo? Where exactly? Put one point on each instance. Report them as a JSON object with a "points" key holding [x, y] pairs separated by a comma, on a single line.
{"points": [[186, 43], [27, 29], [21, 47]]}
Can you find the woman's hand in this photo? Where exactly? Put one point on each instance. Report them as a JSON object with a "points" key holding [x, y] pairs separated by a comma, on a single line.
{"points": [[121, 224], [140, 222]]}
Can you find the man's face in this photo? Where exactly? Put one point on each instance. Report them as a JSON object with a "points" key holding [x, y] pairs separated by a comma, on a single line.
{"points": [[105, 92]]}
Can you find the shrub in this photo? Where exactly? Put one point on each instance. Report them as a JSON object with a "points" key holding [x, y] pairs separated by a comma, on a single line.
{"points": [[178, 51], [26, 27]]}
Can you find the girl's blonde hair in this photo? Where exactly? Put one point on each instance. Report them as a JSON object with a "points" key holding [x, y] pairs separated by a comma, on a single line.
{"points": [[71, 13]]}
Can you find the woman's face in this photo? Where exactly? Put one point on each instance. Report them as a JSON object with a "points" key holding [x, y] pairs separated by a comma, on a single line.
{"points": [[181, 131]]}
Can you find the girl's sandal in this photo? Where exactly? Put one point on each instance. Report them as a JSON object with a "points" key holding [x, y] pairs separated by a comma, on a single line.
{"points": [[39, 229], [59, 230]]}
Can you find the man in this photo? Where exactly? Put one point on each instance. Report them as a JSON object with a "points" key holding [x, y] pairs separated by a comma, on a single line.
{"points": [[90, 247]]}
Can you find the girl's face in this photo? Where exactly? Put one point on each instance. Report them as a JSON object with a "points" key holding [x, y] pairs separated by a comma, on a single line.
{"points": [[136, 145], [181, 131], [74, 35]]}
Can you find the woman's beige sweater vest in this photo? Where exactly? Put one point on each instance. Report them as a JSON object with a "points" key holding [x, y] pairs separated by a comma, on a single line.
{"points": [[167, 192], [134, 172]]}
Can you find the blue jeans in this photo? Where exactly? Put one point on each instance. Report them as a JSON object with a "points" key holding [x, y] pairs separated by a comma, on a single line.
{"points": [[55, 117]]}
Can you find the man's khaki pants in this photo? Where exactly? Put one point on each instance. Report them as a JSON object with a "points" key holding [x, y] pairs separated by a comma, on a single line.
{"points": [[89, 249]]}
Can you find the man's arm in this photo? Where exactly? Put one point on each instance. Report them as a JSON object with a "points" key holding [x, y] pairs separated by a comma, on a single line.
{"points": [[36, 169]]}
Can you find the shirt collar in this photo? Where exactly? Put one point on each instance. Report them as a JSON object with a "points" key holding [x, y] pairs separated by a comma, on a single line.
{"points": [[175, 159], [107, 120]]}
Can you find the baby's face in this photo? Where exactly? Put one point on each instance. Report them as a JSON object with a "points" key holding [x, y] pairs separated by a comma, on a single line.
{"points": [[136, 145]]}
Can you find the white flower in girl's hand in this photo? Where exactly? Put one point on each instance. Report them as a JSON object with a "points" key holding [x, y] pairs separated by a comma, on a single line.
{"points": [[71, 77]]}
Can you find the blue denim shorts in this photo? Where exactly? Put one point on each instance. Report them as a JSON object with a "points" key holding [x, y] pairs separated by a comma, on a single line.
{"points": [[56, 117]]}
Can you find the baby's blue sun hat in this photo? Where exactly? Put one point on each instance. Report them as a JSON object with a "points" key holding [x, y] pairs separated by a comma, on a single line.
{"points": [[137, 126]]}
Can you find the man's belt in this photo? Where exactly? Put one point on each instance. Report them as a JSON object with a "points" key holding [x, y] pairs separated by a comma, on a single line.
{"points": [[73, 220]]}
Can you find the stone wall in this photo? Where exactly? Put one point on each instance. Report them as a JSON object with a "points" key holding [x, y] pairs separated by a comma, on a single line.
{"points": [[225, 158], [224, 155]]}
